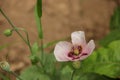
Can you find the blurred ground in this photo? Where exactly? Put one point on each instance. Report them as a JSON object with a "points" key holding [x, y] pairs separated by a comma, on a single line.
{"points": [[60, 18]]}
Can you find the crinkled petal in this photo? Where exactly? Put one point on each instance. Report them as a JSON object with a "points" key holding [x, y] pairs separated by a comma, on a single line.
{"points": [[87, 50], [61, 50], [78, 38]]}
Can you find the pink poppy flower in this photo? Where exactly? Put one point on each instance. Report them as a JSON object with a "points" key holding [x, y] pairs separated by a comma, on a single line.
{"points": [[77, 50]]}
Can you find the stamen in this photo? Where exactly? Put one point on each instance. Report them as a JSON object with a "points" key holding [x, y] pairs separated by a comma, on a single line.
{"points": [[75, 51]]}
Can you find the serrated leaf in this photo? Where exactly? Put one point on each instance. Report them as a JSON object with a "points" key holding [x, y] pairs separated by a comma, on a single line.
{"points": [[105, 61], [33, 73], [112, 36]]}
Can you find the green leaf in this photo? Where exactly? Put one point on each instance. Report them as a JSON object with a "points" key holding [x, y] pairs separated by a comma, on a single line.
{"points": [[105, 61], [112, 36], [34, 57], [33, 73], [93, 76], [35, 48], [66, 73], [49, 63], [115, 47], [38, 15], [115, 19]]}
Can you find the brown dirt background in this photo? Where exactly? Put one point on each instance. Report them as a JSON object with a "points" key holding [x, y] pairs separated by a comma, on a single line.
{"points": [[60, 18]]}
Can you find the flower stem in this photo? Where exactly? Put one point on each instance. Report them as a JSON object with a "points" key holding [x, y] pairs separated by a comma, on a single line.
{"points": [[27, 37], [72, 75], [12, 25], [14, 28], [13, 73], [42, 50]]}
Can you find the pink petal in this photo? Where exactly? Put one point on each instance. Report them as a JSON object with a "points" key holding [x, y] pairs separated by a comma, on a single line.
{"points": [[78, 38], [87, 50], [61, 50]]}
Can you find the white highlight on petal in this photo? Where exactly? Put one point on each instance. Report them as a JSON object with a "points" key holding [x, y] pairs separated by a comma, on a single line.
{"points": [[61, 50], [87, 49], [78, 38]]}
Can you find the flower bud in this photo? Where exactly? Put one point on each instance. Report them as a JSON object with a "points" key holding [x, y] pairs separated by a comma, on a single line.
{"points": [[4, 65], [76, 64], [8, 32]]}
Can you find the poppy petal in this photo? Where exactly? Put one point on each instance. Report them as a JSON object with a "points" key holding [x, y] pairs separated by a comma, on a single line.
{"points": [[61, 50], [87, 50], [78, 38]]}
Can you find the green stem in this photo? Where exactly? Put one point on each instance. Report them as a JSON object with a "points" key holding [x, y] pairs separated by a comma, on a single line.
{"points": [[72, 75], [28, 41], [42, 50], [13, 73], [16, 29], [12, 25]]}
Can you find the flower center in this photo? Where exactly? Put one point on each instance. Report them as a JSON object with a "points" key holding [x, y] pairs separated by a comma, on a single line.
{"points": [[77, 50], [74, 53]]}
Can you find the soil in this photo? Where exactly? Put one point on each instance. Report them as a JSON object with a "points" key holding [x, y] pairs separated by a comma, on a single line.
{"points": [[59, 19]]}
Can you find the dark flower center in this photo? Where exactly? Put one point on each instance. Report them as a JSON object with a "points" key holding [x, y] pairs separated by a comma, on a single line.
{"points": [[75, 51]]}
